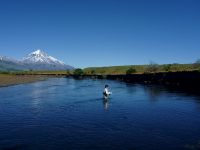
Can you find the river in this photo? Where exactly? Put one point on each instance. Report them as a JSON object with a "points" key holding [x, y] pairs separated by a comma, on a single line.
{"points": [[64, 113]]}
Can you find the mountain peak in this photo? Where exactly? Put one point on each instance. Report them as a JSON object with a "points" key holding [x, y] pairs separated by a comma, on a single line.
{"points": [[40, 56], [37, 60], [38, 53]]}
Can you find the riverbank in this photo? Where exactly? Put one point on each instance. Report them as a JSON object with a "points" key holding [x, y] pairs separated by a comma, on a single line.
{"points": [[189, 79], [11, 79], [140, 69]]}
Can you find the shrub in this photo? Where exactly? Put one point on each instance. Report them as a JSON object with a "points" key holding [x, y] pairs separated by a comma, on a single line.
{"points": [[131, 71], [152, 67], [78, 71], [92, 72], [167, 67]]}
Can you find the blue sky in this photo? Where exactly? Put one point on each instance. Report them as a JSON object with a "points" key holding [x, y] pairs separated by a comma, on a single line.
{"points": [[87, 33]]}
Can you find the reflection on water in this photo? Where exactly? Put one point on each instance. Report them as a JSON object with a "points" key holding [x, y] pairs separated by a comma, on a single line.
{"points": [[153, 92], [37, 94], [63, 113], [106, 103]]}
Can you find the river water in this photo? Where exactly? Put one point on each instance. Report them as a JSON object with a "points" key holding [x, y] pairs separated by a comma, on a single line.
{"points": [[64, 113]]}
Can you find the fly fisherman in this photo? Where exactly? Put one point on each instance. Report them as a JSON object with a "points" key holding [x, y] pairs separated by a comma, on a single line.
{"points": [[106, 92]]}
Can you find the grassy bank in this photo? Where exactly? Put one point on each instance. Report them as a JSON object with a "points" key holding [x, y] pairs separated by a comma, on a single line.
{"points": [[11, 79], [115, 70], [140, 69], [134, 73]]}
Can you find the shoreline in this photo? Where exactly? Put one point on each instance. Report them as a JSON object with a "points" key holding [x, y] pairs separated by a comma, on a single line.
{"points": [[188, 79], [9, 80], [177, 79]]}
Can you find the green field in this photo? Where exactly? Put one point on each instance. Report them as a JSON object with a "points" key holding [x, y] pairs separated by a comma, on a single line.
{"points": [[139, 69], [18, 77], [112, 70]]}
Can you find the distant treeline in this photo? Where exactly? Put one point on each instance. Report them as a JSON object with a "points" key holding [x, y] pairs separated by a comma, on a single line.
{"points": [[116, 70], [140, 69]]}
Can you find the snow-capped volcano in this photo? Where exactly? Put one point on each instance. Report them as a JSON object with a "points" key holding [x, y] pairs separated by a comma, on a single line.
{"points": [[37, 60], [40, 56]]}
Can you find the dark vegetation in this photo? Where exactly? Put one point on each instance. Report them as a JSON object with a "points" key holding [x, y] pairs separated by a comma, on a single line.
{"points": [[116, 70], [141, 69], [151, 68], [78, 72], [131, 71], [167, 74]]}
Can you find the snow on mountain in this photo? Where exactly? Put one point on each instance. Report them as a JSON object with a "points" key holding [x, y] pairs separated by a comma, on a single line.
{"points": [[40, 56], [37, 60]]}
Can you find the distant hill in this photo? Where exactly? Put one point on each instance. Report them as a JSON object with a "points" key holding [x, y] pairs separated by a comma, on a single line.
{"points": [[151, 68], [37, 60], [9, 64]]}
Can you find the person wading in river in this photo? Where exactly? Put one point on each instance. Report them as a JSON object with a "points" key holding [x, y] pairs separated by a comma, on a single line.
{"points": [[106, 92]]}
